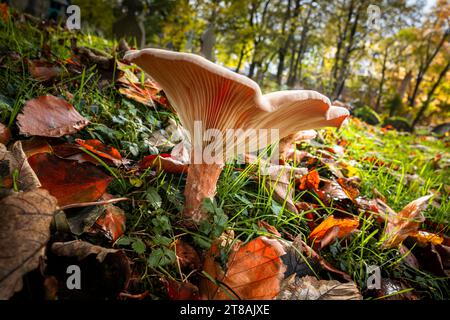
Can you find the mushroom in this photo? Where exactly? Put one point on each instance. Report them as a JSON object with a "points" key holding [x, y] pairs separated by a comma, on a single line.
{"points": [[208, 96]]}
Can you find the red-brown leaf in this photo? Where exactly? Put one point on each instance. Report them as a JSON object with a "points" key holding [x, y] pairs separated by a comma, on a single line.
{"points": [[163, 162], [42, 70], [69, 181], [50, 116], [5, 134]]}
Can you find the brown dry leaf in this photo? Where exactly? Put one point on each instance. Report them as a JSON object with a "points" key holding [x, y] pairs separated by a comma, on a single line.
{"points": [[42, 70], [18, 163], [309, 288], [253, 271], [36, 145], [112, 222], [25, 229], [5, 134], [50, 116], [394, 290], [69, 181], [105, 272], [81, 249], [187, 256], [405, 223], [332, 228], [271, 229], [278, 181]]}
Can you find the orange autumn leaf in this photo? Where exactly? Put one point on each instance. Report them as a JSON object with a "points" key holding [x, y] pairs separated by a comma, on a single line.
{"points": [[69, 181], [104, 151], [253, 271], [349, 188], [332, 228], [50, 116], [424, 237], [112, 222], [310, 181]]}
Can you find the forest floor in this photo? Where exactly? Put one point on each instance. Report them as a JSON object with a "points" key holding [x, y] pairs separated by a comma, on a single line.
{"points": [[359, 179]]}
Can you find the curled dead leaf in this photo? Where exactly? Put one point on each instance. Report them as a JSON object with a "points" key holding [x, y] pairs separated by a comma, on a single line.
{"points": [[332, 228], [104, 151], [309, 288], [25, 229], [50, 116], [405, 223]]}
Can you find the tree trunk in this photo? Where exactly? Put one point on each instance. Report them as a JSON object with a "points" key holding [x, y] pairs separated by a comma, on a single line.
{"points": [[430, 96], [383, 75], [424, 68]]}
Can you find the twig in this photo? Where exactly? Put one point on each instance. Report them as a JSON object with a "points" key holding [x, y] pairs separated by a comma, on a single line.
{"points": [[94, 203]]}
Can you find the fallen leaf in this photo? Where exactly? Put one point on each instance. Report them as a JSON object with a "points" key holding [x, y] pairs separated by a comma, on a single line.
{"points": [[105, 272], [271, 229], [181, 290], [424, 237], [50, 116], [36, 145], [71, 151], [5, 134], [310, 181], [434, 258], [17, 162], [187, 256], [111, 222], [278, 182], [253, 271], [167, 138], [350, 186], [42, 70], [69, 181], [332, 228], [309, 288], [163, 162], [392, 289], [405, 223], [97, 147], [25, 229]]}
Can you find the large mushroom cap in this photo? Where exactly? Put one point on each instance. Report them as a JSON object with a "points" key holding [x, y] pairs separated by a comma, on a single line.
{"points": [[200, 90]]}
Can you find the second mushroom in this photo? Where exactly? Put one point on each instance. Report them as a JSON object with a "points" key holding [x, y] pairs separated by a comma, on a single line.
{"points": [[208, 96]]}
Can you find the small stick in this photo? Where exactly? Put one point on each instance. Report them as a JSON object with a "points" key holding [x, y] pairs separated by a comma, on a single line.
{"points": [[94, 203]]}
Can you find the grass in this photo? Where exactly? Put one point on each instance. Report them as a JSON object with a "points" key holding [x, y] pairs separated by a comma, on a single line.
{"points": [[409, 171]]}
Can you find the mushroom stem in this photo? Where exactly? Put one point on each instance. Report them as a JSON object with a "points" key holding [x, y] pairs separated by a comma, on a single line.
{"points": [[201, 183]]}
